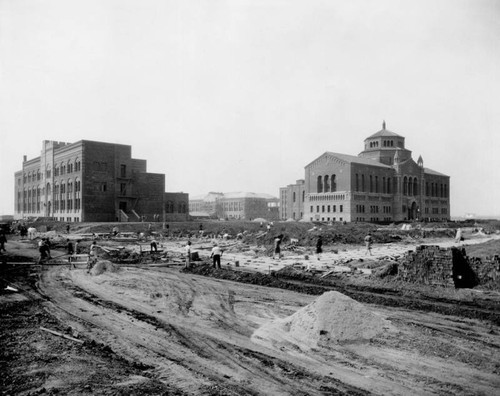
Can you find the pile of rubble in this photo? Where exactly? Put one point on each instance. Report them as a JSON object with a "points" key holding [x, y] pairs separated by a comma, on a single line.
{"points": [[332, 319]]}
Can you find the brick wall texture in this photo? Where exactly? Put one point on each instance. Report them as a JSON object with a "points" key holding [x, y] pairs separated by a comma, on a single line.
{"points": [[432, 265]]}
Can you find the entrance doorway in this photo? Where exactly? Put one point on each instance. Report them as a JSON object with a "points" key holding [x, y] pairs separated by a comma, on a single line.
{"points": [[413, 211]]}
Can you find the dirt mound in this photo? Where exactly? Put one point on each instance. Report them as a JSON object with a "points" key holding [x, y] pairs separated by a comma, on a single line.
{"points": [[102, 266], [333, 318]]}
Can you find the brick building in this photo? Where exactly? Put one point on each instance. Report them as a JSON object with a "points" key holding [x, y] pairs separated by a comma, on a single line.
{"points": [[292, 199], [382, 184], [93, 181], [236, 205]]}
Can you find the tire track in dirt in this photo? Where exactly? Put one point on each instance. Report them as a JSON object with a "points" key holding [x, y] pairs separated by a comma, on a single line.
{"points": [[210, 361]]}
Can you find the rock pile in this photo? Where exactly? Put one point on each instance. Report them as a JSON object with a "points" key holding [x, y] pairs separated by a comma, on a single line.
{"points": [[103, 266], [332, 319]]}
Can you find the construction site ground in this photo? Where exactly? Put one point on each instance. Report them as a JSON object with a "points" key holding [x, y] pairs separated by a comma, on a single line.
{"points": [[146, 325]]}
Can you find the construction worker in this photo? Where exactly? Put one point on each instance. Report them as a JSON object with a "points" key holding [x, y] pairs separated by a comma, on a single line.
{"points": [[216, 255], [368, 244], [187, 250]]}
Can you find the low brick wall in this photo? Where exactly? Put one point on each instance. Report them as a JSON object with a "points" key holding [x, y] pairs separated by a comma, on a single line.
{"points": [[487, 270], [429, 265], [432, 265]]}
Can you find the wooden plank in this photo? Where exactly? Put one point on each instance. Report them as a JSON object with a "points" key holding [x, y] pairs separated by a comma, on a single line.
{"points": [[61, 335]]}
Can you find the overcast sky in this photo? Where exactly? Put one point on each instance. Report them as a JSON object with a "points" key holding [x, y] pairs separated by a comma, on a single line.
{"points": [[240, 95]]}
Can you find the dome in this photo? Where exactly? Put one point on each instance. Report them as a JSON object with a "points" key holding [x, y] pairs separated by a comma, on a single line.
{"points": [[384, 133]]}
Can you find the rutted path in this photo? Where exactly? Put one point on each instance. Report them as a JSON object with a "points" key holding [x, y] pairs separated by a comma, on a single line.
{"points": [[194, 333]]}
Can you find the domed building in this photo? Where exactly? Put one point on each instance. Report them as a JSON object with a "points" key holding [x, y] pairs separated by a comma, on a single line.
{"points": [[382, 184]]}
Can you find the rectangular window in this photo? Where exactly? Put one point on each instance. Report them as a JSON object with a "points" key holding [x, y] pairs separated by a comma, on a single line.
{"points": [[123, 170], [334, 208], [341, 208]]}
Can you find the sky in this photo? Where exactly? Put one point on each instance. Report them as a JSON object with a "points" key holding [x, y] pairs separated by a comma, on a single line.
{"points": [[240, 95]]}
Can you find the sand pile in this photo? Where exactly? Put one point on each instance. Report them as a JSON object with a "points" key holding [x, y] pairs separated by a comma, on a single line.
{"points": [[332, 318], [102, 266]]}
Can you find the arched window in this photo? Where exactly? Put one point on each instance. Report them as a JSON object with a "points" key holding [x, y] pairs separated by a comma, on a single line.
{"points": [[303, 196], [319, 186], [376, 184], [410, 186], [357, 182], [326, 183], [415, 186], [363, 183], [334, 183], [388, 185], [371, 183], [405, 186]]}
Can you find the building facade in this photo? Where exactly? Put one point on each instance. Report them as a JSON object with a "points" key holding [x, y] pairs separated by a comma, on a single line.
{"points": [[292, 198], [235, 206], [93, 181], [382, 184]]}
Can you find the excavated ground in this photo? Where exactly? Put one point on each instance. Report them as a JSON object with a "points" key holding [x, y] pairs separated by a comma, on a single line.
{"points": [[145, 329]]}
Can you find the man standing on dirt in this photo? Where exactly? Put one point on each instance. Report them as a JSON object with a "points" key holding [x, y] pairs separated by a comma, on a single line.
{"points": [[368, 243], [188, 254], [277, 246], [3, 241], [92, 256], [216, 255], [154, 246], [69, 247], [319, 247]]}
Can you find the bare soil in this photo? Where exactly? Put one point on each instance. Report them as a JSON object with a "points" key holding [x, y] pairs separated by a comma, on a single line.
{"points": [[166, 330]]}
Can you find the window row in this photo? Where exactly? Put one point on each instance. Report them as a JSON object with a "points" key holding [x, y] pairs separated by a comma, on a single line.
{"points": [[62, 188], [232, 206], [410, 186], [327, 183], [32, 176], [436, 211], [170, 207], [374, 184], [67, 204], [327, 208], [59, 169], [327, 219], [436, 190], [67, 167], [294, 195]]}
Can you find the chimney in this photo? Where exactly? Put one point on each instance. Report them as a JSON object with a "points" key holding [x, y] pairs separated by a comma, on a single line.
{"points": [[25, 158]]}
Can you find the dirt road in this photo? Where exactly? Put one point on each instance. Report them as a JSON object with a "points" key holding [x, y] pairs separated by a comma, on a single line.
{"points": [[195, 334], [155, 330]]}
